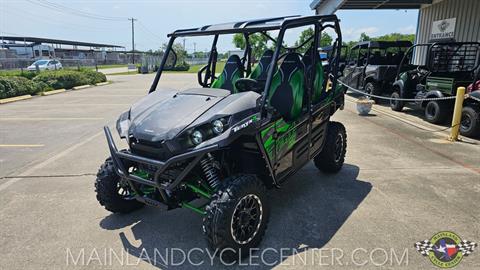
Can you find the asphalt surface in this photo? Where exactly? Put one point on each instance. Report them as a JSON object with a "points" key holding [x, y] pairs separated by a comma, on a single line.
{"points": [[401, 183]]}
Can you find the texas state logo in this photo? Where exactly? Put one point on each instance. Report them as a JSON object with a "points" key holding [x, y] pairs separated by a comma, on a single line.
{"points": [[445, 249]]}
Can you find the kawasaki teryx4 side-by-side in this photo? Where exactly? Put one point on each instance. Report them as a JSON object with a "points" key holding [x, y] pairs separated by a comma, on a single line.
{"points": [[372, 65], [218, 148], [436, 70]]}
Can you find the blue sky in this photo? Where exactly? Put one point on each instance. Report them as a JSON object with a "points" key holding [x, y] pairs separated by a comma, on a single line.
{"points": [[157, 18]]}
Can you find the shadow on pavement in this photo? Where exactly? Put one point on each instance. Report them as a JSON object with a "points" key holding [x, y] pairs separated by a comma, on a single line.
{"points": [[306, 213]]}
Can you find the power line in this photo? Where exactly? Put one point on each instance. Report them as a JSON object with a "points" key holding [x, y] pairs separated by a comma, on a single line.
{"points": [[65, 9]]}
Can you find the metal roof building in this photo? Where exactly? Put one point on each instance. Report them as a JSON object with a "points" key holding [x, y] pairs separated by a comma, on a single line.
{"points": [[437, 19]]}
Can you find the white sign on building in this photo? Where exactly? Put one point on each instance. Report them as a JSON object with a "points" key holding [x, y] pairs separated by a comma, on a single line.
{"points": [[443, 29]]}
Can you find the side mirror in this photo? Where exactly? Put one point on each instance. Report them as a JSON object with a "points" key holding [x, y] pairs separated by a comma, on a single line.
{"points": [[201, 76]]}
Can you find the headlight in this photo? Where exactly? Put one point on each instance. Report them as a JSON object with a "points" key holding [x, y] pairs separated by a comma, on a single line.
{"points": [[217, 126], [123, 124], [123, 128], [197, 137]]}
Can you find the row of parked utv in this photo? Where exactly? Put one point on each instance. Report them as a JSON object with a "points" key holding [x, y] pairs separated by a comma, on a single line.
{"points": [[422, 71]]}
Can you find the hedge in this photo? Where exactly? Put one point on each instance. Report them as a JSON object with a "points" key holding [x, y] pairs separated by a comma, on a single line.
{"points": [[69, 78], [11, 86]]}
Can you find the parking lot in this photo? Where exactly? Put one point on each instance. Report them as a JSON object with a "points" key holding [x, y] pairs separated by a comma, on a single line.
{"points": [[402, 182]]}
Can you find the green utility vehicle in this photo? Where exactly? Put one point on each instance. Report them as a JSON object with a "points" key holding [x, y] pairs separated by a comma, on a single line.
{"points": [[219, 148], [436, 70]]}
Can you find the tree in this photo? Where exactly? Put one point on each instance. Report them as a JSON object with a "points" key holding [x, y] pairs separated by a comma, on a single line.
{"points": [[325, 39], [258, 43], [179, 50], [364, 37], [395, 37]]}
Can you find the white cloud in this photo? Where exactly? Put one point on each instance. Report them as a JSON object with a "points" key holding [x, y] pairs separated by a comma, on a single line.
{"points": [[354, 33], [409, 29]]}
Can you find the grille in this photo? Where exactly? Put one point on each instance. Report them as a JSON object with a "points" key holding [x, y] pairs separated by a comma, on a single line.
{"points": [[155, 150]]}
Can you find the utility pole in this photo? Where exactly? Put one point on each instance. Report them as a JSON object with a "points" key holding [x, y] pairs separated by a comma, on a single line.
{"points": [[133, 39]]}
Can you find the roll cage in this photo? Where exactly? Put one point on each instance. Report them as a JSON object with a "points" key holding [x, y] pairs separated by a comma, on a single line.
{"points": [[261, 26], [442, 57]]}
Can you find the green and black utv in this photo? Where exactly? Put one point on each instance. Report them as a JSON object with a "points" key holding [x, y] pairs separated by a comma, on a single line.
{"points": [[219, 148], [436, 70]]}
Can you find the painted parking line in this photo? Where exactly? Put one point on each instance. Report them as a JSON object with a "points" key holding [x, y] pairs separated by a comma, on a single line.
{"points": [[21, 145], [50, 118], [50, 160]]}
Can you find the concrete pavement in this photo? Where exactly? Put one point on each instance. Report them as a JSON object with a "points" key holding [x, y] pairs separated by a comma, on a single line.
{"points": [[400, 185]]}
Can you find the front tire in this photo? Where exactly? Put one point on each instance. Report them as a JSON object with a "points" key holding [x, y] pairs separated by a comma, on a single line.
{"points": [[332, 156], [436, 112], [396, 105], [111, 194], [470, 123], [237, 217]]}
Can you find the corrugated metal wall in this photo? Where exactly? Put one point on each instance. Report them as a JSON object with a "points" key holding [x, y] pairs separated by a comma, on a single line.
{"points": [[467, 13]]}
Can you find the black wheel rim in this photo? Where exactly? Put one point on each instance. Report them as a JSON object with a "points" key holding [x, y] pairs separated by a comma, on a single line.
{"points": [[431, 111], [466, 122], [338, 147], [246, 219], [368, 89]]}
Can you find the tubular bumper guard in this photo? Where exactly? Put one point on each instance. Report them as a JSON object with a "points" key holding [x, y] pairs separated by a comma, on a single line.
{"points": [[119, 157]]}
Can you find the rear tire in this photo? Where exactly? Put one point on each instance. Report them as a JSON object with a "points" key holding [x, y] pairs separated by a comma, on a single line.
{"points": [[373, 89], [470, 123], [237, 217], [436, 112], [396, 105], [332, 156], [111, 194]]}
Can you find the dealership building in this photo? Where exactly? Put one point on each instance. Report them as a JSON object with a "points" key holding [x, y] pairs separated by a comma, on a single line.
{"points": [[457, 20]]}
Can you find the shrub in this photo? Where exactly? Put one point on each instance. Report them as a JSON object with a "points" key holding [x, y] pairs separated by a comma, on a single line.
{"points": [[11, 86], [69, 78], [62, 79], [19, 73], [95, 77]]}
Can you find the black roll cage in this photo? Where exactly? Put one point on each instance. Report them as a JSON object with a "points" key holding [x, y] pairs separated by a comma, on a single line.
{"points": [[259, 26], [429, 46]]}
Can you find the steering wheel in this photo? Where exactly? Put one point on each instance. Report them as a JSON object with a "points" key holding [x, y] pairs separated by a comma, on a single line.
{"points": [[247, 84]]}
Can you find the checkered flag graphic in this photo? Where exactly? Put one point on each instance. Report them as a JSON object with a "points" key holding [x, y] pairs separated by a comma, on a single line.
{"points": [[424, 247], [466, 247]]}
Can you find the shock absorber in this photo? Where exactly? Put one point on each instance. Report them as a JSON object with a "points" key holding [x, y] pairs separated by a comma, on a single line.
{"points": [[210, 171]]}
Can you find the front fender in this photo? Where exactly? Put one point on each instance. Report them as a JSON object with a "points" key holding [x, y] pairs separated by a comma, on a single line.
{"points": [[432, 94], [400, 84]]}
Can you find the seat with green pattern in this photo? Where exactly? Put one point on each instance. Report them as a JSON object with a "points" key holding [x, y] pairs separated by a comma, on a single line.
{"points": [[287, 88], [232, 71], [260, 72], [318, 85]]}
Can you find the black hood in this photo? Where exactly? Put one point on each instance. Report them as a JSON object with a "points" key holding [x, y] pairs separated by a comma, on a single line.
{"points": [[164, 113]]}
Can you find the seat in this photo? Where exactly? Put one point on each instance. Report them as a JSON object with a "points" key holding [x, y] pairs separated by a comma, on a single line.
{"points": [[260, 72], [232, 71], [318, 92], [287, 88]]}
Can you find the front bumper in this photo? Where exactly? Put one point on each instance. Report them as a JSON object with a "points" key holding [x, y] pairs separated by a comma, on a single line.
{"points": [[122, 158]]}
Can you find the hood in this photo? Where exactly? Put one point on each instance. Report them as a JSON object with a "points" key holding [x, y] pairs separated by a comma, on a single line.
{"points": [[164, 113]]}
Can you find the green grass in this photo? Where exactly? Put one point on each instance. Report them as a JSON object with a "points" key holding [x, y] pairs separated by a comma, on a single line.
{"points": [[218, 68], [111, 66], [124, 73]]}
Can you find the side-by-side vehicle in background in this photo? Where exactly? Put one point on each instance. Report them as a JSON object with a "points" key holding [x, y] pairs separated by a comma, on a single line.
{"points": [[436, 70], [372, 65]]}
